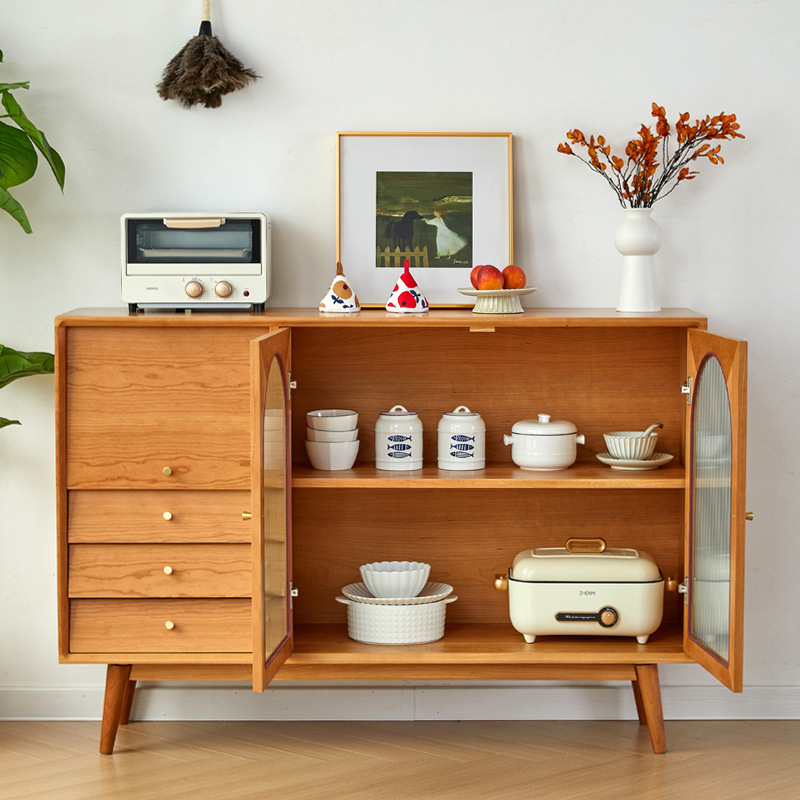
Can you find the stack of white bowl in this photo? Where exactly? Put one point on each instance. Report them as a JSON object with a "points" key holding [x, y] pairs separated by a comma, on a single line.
{"points": [[395, 604], [332, 438]]}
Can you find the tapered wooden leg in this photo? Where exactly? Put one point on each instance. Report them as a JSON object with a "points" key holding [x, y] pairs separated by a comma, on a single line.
{"points": [[127, 703], [117, 680], [649, 704], [637, 696]]}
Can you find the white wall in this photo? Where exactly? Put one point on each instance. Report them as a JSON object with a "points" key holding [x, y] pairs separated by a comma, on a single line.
{"points": [[534, 68]]}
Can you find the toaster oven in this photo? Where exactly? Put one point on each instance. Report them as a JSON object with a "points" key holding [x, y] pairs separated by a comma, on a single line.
{"points": [[204, 261]]}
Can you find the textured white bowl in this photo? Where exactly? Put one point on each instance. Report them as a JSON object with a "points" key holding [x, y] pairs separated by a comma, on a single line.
{"points": [[332, 455], [332, 419], [313, 435], [395, 578], [630, 445], [378, 624]]}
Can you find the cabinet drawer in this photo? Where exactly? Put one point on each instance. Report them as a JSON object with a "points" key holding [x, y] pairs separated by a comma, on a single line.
{"points": [[139, 401], [158, 516], [159, 570], [142, 626]]}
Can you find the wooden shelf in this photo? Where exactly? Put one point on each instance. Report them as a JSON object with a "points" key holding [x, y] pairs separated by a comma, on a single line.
{"points": [[495, 476]]}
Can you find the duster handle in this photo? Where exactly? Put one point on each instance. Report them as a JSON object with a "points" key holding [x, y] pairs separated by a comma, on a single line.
{"points": [[206, 11]]}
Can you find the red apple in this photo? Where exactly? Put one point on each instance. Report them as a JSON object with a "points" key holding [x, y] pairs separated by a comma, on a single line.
{"points": [[513, 277], [488, 277], [474, 275]]}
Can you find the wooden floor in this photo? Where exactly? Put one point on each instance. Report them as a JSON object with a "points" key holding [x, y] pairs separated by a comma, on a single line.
{"points": [[399, 760]]}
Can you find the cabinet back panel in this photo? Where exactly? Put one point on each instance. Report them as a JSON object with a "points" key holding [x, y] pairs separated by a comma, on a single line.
{"points": [[466, 540], [601, 379], [139, 400]]}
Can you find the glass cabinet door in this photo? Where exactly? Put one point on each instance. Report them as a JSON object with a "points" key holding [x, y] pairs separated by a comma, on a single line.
{"points": [[272, 610], [715, 545]]}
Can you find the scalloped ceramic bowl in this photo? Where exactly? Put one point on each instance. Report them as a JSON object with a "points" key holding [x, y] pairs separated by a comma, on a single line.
{"points": [[395, 578], [630, 445]]}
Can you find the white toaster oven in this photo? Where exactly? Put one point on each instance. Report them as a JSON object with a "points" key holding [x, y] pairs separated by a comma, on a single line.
{"points": [[184, 260]]}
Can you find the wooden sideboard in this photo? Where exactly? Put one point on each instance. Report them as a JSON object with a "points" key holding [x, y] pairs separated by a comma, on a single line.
{"points": [[195, 542]]}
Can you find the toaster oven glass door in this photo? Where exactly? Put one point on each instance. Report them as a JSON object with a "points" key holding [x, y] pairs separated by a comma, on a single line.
{"points": [[156, 246]]}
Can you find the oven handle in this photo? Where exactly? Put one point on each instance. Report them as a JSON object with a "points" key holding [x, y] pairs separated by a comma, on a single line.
{"points": [[204, 222]]}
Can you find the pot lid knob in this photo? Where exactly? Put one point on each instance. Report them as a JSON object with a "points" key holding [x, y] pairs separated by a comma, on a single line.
{"points": [[544, 418]]}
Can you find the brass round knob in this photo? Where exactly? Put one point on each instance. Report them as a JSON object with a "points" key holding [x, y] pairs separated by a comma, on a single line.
{"points": [[246, 515], [167, 515], [193, 288], [169, 624], [168, 570], [223, 289], [501, 582], [167, 471], [749, 516]]}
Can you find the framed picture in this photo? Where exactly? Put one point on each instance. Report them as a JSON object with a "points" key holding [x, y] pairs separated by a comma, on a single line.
{"points": [[441, 200]]}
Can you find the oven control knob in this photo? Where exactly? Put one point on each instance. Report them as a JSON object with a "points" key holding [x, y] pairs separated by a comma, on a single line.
{"points": [[608, 617], [223, 289], [194, 288]]}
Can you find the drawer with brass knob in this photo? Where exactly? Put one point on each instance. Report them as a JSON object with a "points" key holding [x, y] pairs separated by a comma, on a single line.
{"points": [[160, 570]]}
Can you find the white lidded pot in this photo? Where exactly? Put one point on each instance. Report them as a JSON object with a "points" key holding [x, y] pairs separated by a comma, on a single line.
{"points": [[461, 440], [544, 444], [398, 439]]}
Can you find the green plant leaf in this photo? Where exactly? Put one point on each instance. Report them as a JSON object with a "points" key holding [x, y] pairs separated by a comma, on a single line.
{"points": [[14, 364], [9, 204], [8, 87], [36, 136], [4, 422], [18, 158]]}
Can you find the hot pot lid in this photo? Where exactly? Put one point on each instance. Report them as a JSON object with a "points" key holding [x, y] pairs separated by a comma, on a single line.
{"points": [[544, 426], [557, 564]]}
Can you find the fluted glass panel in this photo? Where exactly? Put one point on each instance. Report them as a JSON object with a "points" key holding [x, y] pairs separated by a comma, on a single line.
{"points": [[275, 523], [711, 534]]}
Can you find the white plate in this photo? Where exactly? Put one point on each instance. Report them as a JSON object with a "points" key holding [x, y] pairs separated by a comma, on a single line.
{"points": [[652, 462], [430, 593], [497, 301]]}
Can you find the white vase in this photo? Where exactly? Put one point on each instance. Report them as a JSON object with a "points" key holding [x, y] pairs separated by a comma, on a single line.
{"points": [[638, 237]]}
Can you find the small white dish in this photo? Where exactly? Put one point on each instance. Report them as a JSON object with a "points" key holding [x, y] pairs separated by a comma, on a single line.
{"points": [[497, 301], [313, 435], [429, 594], [395, 578], [653, 462], [332, 419], [332, 455]]}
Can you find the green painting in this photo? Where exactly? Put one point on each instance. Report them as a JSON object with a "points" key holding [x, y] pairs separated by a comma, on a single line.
{"points": [[425, 217]]}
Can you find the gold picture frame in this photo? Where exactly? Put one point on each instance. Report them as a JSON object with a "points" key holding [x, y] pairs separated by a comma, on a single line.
{"points": [[420, 196]]}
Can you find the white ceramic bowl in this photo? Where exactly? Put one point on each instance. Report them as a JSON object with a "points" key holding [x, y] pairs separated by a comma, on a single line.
{"points": [[630, 445], [313, 435], [332, 419], [395, 578], [378, 624], [332, 455]]}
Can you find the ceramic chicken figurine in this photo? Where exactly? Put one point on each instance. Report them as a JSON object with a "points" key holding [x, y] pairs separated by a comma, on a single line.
{"points": [[406, 295], [340, 297]]}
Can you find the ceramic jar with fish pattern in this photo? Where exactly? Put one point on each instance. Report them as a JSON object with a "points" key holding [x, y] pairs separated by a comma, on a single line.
{"points": [[398, 439], [462, 440]]}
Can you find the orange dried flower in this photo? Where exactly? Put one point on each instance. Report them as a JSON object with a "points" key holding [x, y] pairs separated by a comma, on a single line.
{"points": [[642, 179]]}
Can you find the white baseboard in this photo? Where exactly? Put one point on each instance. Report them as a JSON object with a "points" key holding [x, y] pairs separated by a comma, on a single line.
{"points": [[171, 701]]}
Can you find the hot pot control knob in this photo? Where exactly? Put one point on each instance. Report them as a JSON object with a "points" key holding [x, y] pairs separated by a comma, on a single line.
{"points": [[608, 617], [194, 288], [223, 289]]}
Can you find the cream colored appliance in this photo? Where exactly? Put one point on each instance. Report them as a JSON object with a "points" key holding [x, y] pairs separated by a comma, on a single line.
{"points": [[584, 589], [184, 260]]}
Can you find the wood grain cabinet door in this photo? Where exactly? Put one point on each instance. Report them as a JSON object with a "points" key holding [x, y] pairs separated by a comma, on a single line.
{"points": [[151, 407]]}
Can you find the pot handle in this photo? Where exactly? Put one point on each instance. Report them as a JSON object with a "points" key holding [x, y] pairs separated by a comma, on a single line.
{"points": [[508, 439], [451, 599], [461, 410], [586, 545], [344, 600], [398, 408]]}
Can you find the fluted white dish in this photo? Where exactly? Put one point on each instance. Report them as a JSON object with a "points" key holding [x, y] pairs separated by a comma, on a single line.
{"points": [[395, 578], [429, 594], [630, 445]]}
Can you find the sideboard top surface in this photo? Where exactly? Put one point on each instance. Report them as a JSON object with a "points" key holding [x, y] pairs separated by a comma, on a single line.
{"points": [[442, 318]]}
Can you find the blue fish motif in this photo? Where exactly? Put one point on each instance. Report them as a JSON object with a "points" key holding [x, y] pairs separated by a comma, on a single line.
{"points": [[395, 454], [398, 446], [398, 438], [462, 446], [462, 438], [461, 454]]}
